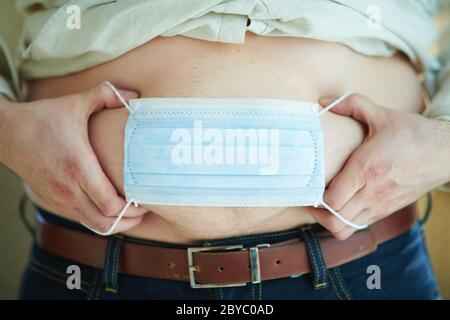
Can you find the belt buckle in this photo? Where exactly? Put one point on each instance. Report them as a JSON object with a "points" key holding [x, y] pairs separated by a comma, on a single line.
{"points": [[254, 261], [192, 267]]}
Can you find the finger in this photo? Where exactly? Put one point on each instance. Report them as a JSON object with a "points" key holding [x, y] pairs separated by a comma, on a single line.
{"points": [[92, 217], [358, 107], [327, 220], [347, 182], [345, 233], [103, 194], [351, 210], [101, 96], [364, 217], [372, 212], [355, 205], [103, 224]]}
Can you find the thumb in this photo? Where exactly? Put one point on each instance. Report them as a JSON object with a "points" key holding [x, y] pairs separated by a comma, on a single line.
{"points": [[102, 96], [358, 107]]}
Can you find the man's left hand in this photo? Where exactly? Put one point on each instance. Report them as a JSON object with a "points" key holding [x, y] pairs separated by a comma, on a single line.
{"points": [[403, 156]]}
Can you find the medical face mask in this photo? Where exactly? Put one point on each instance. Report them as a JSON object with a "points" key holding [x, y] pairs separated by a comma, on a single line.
{"points": [[224, 153]]}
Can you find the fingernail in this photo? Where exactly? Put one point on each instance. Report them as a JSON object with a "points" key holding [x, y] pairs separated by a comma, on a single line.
{"points": [[129, 93], [326, 100]]}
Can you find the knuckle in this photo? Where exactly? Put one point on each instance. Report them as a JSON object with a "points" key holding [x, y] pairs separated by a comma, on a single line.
{"points": [[355, 99], [374, 169], [380, 193], [96, 93], [73, 171], [62, 190], [100, 89], [107, 209]]}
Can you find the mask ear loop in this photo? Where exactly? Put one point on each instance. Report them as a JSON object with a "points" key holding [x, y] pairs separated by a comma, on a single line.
{"points": [[334, 212], [122, 212], [334, 103], [116, 222], [342, 219], [118, 95]]}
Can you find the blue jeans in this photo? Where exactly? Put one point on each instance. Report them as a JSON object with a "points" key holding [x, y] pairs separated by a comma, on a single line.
{"points": [[405, 272]]}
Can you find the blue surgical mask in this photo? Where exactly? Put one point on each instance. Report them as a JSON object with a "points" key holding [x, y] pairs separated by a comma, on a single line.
{"points": [[224, 153]]}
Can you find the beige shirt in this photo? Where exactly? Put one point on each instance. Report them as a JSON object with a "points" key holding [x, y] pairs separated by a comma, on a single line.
{"points": [[62, 37]]}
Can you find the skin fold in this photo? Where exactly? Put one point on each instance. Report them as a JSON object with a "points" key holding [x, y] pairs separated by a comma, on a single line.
{"points": [[263, 67]]}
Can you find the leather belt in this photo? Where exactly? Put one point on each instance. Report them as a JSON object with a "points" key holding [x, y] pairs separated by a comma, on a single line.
{"points": [[223, 265]]}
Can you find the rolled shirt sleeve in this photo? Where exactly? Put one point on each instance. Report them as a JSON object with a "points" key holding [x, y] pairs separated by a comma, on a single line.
{"points": [[6, 90], [9, 79], [440, 104], [10, 28]]}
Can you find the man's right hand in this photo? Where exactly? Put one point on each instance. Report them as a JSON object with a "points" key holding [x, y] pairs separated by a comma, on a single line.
{"points": [[46, 143]]}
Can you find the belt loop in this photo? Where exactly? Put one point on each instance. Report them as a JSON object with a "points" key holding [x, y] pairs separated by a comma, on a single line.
{"points": [[111, 264], [315, 257]]}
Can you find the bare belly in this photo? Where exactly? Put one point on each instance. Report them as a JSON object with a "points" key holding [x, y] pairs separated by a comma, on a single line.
{"points": [[263, 67]]}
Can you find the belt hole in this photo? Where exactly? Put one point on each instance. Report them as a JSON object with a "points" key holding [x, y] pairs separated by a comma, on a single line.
{"points": [[169, 264], [221, 268], [277, 262]]}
